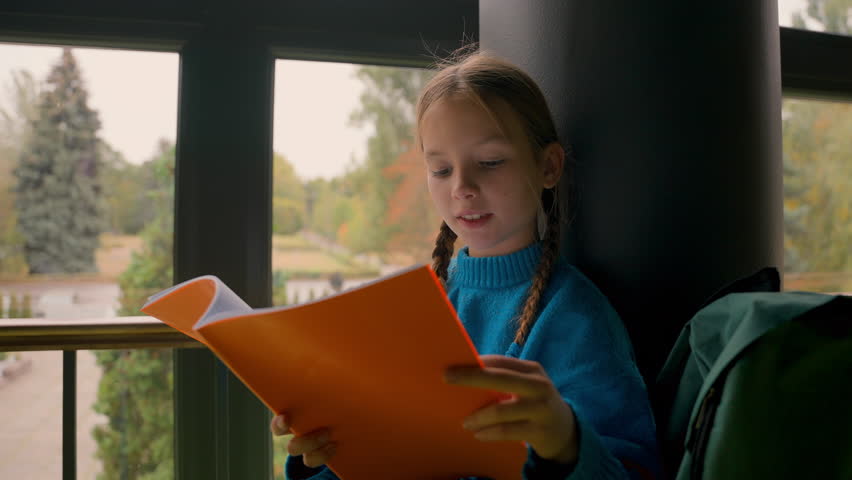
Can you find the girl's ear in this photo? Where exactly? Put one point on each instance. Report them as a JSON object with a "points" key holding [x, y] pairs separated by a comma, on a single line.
{"points": [[552, 163]]}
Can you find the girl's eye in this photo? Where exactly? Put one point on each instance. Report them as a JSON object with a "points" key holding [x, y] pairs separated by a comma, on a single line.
{"points": [[491, 163], [441, 173]]}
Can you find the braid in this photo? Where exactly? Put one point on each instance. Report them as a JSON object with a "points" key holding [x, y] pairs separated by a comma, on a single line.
{"points": [[443, 251], [550, 249]]}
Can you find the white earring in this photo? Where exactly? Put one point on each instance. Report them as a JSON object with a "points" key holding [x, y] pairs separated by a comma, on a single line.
{"points": [[541, 221]]}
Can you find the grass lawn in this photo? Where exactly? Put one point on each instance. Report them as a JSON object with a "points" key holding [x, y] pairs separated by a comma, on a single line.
{"points": [[290, 253], [113, 256], [292, 242]]}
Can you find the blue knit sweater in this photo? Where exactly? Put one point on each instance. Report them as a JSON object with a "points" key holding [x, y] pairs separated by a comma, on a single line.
{"points": [[582, 345]]}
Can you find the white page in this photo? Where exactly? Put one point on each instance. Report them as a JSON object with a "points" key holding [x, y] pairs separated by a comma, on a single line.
{"points": [[225, 302], [222, 313]]}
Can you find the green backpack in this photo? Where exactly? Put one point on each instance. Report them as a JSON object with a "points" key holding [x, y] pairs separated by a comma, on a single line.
{"points": [[759, 386]]}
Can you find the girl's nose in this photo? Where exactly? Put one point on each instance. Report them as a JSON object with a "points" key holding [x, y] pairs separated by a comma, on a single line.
{"points": [[464, 187]]}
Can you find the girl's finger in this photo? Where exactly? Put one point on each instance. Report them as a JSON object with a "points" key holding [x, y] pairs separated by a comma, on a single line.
{"points": [[509, 363], [529, 385], [520, 431], [279, 426], [308, 443], [506, 412], [319, 457]]}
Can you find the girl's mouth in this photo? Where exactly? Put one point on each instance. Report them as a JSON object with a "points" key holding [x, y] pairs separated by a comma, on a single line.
{"points": [[474, 220]]}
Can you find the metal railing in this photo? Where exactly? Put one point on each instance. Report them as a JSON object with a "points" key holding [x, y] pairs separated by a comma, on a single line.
{"points": [[18, 334]]}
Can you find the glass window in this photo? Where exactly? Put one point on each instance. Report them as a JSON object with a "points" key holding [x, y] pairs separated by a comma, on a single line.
{"points": [[86, 189], [350, 198], [817, 195], [833, 16]]}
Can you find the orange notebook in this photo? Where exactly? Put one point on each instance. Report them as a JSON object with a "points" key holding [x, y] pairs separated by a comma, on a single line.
{"points": [[367, 363]]}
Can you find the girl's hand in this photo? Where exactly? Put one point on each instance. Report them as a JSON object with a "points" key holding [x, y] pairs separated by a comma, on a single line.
{"points": [[315, 448], [535, 413]]}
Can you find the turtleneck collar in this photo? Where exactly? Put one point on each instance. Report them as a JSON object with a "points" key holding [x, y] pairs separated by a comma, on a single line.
{"points": [[495, 272]]}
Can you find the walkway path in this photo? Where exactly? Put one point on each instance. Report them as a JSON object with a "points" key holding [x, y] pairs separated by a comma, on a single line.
{"points": [[31, 419]]}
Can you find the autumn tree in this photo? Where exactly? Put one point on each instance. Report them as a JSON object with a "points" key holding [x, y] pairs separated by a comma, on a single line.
{"points": [[386, 104], [58, 193], [329, 206], [412, 220]]}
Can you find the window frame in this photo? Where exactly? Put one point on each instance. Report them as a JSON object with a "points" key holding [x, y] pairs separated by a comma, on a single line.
{"points": [[382, 32]]}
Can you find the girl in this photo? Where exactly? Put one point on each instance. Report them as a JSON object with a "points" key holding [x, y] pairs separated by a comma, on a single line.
{"points": [[547, 335]]}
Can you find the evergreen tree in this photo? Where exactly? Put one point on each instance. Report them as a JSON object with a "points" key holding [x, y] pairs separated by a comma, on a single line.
{"points": [[58, 195], [136, 389]]}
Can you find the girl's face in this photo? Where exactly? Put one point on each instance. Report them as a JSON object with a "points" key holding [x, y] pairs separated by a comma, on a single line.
{"points": [[485, 180]]}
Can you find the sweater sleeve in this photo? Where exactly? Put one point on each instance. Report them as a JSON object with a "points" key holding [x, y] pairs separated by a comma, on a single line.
{"points": [[294, 469], [594, 462], [582, 345]]}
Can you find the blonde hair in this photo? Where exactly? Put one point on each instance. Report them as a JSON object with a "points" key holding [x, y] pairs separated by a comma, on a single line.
{"points": [[485, 78]]}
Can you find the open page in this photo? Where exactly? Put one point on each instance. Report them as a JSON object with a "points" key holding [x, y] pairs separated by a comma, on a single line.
{"points": [[225, 304], [187, 305]]}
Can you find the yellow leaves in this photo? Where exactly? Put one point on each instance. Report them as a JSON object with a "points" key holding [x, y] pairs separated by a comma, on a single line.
{"points": [[843, 215], [791, 204]]}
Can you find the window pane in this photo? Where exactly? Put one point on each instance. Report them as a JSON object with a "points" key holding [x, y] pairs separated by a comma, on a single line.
{"points": [[350, 198], [86, 188], [817, 196], [833, 16]]}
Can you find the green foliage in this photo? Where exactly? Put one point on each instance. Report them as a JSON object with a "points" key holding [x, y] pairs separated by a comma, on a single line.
{"points": [[279, 454], [817, 190], [14, 309], [279, 288], [12, 258], [26, 306], [137, 386], [19, 306], [124, 185], [14, 133], [387, 104], [360, 232], [287, 216], [58, 193], [136, 395], [331, 207], [288, 198]]}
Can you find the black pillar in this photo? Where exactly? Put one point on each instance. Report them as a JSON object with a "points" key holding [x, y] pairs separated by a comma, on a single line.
{"points": [[673, 112]]}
